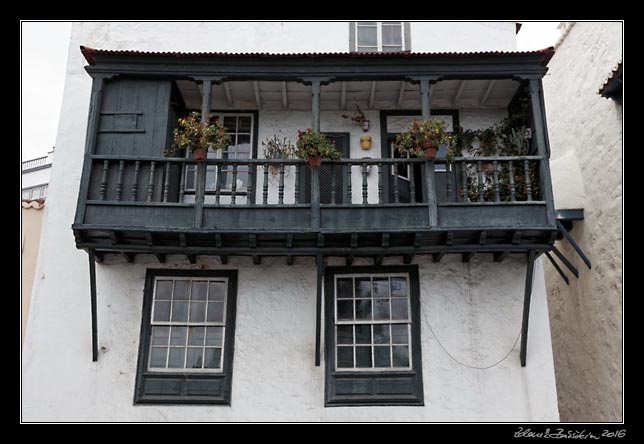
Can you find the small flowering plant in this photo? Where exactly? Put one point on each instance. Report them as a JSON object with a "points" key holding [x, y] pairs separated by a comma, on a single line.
{"points": [[193, 134], [275, 148], [422, 134], [312, 144]]}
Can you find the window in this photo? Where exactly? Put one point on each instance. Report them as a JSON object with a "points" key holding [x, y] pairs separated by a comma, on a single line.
{"points": [[240, 127], [187, 337], [380, 36], [373, 336]]}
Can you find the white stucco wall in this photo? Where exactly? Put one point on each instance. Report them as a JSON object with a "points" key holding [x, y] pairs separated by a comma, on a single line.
{"points": [[473, 308], [587, 170], [463, 36], [33, 178]]}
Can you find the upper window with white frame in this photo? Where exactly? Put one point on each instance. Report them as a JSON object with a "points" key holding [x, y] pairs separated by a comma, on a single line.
{"points": [[379, 37], [187, 336]]}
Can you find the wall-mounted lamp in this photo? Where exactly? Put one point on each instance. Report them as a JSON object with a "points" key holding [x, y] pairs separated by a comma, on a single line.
{"points": [[359, 118]]}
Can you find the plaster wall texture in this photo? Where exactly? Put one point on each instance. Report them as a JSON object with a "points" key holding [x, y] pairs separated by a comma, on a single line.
{"points": [[31, 226], [476, 314], [33, 178], [586, 134]]}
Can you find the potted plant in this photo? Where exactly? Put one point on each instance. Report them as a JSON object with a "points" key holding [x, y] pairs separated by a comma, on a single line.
{"points": [[422, 138], [312, 146], [275, 148], [198, 137]]}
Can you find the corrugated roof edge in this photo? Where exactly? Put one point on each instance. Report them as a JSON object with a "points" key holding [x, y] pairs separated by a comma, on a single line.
{"points": [[89, 52]]}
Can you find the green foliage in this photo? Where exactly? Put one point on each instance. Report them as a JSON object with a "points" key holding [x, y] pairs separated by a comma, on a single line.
{"points": [[312, 143], [432, 131], [192, 134]]}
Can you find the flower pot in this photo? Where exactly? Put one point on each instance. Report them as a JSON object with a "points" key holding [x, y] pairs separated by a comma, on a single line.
{"points": [[430, 150], [199, 154], [365, 142], [314, 161]]}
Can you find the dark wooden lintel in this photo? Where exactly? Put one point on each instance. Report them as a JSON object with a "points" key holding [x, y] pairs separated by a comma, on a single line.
{"points": [[114, 237], [128, 256], [252, 240], [289, 259], [482, 236], [516, 237], [416, 240], [500, 255], [320, 240], [377, 260], [553, 237], [98, 256], [149, 239], [257, 260], [407, 258], [289, 241], [449, 238], [385, 240], [349, 260], [354, 240], [224, 259], [192, 258], [182, 240], [160, 257], [79, 236], [218, 240], [436, 257], [467, 256]]}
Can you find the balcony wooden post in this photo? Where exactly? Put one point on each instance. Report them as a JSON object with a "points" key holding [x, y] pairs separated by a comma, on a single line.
{"points": [[526, 308], [315, 104], [541, 133], [315, 198], [206, 90]]}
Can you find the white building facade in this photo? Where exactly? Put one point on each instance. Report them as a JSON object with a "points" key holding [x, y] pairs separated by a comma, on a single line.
{"points": [[216, 326]]}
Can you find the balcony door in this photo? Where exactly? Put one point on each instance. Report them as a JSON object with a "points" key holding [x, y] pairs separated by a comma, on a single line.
{"points": [[327, 174]]}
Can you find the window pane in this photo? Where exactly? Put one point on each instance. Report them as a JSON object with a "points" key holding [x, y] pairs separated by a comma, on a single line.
{"points": [[401, 356], [392, 23], [210, 178], [215, 312], [181, 290], [363, 334], [217, 291], [363, 309], [230, 122], [363, 287], [345, 357], [194, 358], [381, 309], [199, 289], [244, 124], [391, 35], [400, 334], [345, 334], [214, 336], [179, 311], [381, 334], [197, 312], [345, 288], [164, 290], [368, 23], [381, 357], [380, 287], [176, 357], [196, 335], [399, 309], [158, 356], [367, 49], [363, 357], [178, 336], [398, 287], [161, 311], [243, 146], [367, 36], [392, 49], [345, 310], [160, 335], [212, 358]]}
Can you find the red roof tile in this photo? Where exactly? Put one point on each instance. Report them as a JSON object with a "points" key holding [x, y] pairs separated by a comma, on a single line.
{"points": [[89, 52]]}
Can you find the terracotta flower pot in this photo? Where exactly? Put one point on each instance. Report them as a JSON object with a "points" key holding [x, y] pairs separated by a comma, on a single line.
{"points": [[199, 154], [430, 150], [314, 161]]}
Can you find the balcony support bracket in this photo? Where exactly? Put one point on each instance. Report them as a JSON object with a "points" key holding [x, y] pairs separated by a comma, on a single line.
{"points": [[526, 307], [92, 294]]}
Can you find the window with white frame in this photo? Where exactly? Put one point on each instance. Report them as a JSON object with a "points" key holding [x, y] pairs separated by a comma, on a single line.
{"points": [[379, 37], [372, 336], [187, 337], [188, 324], [373, 322], [240, 128]]}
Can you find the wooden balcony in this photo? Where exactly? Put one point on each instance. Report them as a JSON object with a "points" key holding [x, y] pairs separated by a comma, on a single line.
{"points": [[350, 207]]}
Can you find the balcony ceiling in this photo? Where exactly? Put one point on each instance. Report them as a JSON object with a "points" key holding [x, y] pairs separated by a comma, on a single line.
{"points": [[486, 94]]}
